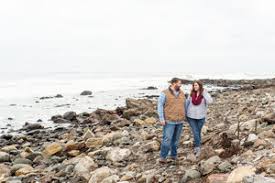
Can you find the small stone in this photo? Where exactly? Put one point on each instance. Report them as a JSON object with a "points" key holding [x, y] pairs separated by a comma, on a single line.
{"points": [[22, 161], [100, 174], [88, 134], [71, 115], [217, 178], [53, 149], [190, 175], [94, 142], [139, 122], [209, 165], [84, 167], [4, 157], [225, 167], [24, 171], [9, 148], [4, 171], [74, 153], [150, 121], [258, 179], [86, 92], [252, 138], [191, 157], [111, 179], [117, 154], [151, 146]]}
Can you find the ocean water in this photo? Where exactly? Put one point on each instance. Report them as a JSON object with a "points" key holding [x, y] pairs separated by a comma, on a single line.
{"points": [[20, 92]]}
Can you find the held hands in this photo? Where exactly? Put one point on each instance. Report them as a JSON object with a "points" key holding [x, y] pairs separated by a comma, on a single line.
{"points": [[162, 123]]}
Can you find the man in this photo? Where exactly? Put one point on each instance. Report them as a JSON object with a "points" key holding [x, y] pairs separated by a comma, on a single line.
{"points": [[171, 111]]}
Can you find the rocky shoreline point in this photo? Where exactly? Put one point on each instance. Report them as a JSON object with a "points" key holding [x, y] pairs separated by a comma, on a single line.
{"points": [[122, 145]]}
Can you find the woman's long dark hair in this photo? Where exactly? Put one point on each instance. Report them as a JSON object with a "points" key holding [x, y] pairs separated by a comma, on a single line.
{"points": [[201, 87]]}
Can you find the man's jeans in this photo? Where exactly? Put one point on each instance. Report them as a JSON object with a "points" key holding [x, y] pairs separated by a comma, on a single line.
{"points": [[196, 126], [170, 139]]}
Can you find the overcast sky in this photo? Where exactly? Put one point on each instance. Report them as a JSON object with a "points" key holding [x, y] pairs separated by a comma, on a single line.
{"points": [[212, 36]]}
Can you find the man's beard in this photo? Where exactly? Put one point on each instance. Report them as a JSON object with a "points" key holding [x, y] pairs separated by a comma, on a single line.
{"points": [[177, 88]]}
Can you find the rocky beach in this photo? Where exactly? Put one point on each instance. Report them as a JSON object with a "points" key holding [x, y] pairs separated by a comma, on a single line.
{"points": [[122, 145]]}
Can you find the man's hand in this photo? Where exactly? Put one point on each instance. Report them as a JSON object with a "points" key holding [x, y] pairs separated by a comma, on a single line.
{"points": [[162, 123]]}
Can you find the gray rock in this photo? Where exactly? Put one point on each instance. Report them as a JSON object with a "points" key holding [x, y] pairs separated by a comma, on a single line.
{"points": [[32, 126], [4, 157], [190, 175], [22, 161], [209, 165], [225, 167], [86, 92], [70, 115], [258, 179]]}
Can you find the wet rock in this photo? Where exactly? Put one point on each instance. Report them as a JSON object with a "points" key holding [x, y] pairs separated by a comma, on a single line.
{"points": [[86, 92], [32, 126], [239, 173], [58, 96], [71, 115], [150, 88], [61, 120], [7, 136]]}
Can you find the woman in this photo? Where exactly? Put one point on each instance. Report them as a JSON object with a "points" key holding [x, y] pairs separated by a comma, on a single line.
{"points": [[196, 106]]}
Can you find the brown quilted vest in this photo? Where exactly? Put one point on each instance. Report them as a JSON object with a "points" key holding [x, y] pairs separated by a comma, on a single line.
{"points": [[174, 108]]}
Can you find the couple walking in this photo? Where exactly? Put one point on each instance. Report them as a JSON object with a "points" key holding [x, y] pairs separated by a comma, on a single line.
{"points": [[174, 110]]}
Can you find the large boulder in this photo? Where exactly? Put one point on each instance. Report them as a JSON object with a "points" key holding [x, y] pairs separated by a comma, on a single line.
{"points": [[239, 173], [70, 115], [137, 107], [117, 154]]}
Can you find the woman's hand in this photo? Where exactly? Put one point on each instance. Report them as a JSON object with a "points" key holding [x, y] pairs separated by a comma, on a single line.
{"points": [[162, 123]]}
